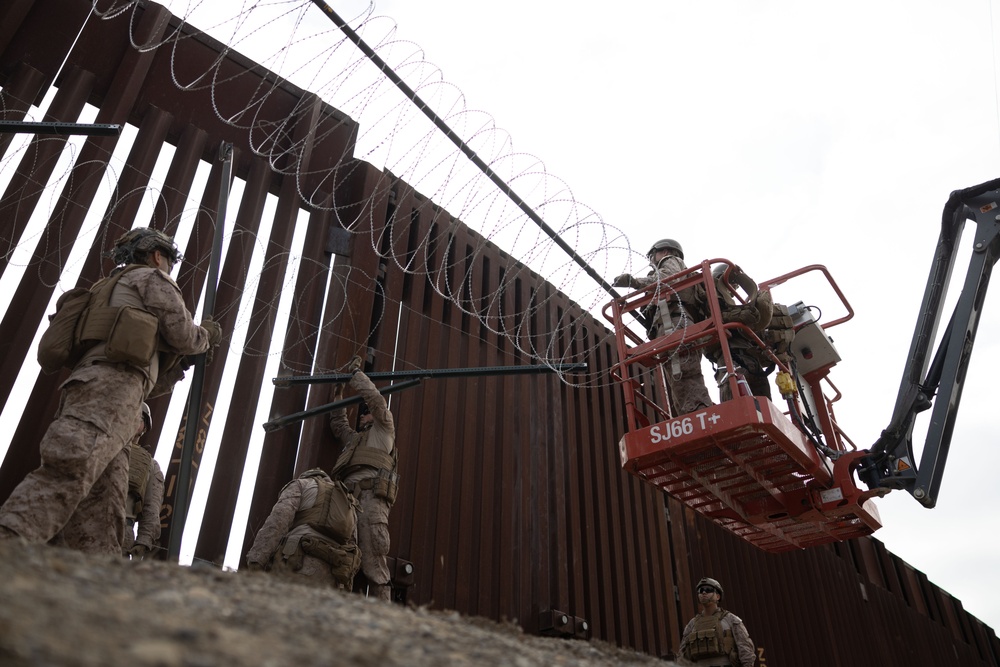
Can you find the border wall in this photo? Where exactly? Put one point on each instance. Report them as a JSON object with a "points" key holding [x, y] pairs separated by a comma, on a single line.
{"points": [[512, 504]]}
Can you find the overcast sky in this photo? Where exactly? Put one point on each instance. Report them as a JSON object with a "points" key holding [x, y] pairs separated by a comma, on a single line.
{"points": [[777, 134]]}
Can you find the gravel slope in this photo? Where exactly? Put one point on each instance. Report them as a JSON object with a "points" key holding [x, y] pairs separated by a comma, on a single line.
{"points": [[60, 607]]}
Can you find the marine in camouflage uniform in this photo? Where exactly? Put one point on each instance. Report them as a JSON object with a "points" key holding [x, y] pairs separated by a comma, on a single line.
{"points": [[768, 320], [137, 542], [298, 539], [145, 497], [76, 497], [715, 637], [674, 310], [367, 466]]}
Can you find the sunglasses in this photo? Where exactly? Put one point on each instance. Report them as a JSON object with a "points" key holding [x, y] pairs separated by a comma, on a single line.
{"points": [[706, 589]]}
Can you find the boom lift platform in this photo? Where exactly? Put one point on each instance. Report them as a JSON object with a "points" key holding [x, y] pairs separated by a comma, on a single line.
{"points": [[783, 476]]}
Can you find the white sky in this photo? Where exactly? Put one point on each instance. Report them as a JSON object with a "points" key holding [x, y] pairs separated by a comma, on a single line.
{"points": [[776, 134]]}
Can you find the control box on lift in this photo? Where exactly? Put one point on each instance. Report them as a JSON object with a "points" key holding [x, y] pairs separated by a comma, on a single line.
{"points": [[812, 347]]}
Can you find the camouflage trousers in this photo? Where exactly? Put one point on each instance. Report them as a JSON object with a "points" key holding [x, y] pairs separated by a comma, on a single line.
{"points": [[76, 497], [373, 540], [683, 373]]}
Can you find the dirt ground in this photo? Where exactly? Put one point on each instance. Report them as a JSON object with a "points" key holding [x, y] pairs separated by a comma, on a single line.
{"points": [[60, 607]]}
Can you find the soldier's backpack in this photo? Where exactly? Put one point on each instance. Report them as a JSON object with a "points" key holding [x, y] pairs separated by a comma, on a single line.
{"points": [[84, 318], [334, 514], [58, 346]]}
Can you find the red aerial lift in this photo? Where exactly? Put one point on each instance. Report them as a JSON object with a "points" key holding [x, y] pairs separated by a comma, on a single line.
{"points": [[784, 475]]}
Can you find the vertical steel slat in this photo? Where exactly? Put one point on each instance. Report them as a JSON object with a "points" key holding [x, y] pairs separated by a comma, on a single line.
{"points": [[349, 317], [417, 454], [250, 373], [12, 15], [134, 178], [230, 291], [494, 419], [180, 176], [456, 391], [576, 441], [524, 526], [35, 168], [423, 547], [18, 94], [301, 334], [469, 488], [435, 396], [197, 253]]}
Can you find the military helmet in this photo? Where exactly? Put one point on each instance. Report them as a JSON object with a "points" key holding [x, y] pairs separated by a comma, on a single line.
{"points": [[144, 240], [708, 581], [314, 472], [665, 244]]}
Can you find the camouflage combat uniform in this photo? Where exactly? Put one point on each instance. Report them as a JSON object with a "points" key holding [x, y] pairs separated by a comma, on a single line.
{"points": [[373, 517], [77, 496], [148, 518], [276, 546], [746, 654], [688, 392]]}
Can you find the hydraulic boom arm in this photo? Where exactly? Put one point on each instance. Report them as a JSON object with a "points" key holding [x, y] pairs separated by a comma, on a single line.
{"points": [[937, 383]]}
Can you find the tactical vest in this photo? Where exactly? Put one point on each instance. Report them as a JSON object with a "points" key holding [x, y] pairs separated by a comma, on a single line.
{"points": [[334, 513], [708, 639], [140, 466], [385, 483]]}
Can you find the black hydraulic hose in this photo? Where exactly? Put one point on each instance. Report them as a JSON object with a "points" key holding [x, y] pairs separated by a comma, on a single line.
{"points": [[462, 146], [289, 380], [281, 422], [47, 127]]}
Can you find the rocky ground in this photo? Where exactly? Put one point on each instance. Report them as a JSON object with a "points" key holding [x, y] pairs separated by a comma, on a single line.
{"points": [[60, 607]]}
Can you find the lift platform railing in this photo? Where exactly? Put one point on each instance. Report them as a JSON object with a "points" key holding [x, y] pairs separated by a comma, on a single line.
{"points": [[410, 378], [780, 479]]}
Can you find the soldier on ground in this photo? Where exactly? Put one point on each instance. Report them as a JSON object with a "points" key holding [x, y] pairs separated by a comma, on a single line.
{"points": [[671, 311], [715, 636], [135, 334], [145, 495], [367, 465], [310, 533]]}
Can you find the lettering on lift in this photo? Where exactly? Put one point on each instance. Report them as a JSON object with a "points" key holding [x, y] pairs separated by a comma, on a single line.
{"points": [[681, 427]]}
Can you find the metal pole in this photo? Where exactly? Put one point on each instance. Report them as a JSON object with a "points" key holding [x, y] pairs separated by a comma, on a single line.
{"points": [[45, 127], [289, 380], [281, 422], [295, 417], [183, 493], [462, 146]]}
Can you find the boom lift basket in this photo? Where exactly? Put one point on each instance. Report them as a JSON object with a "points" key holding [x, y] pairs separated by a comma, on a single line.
{"points": [[780, 479]]}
